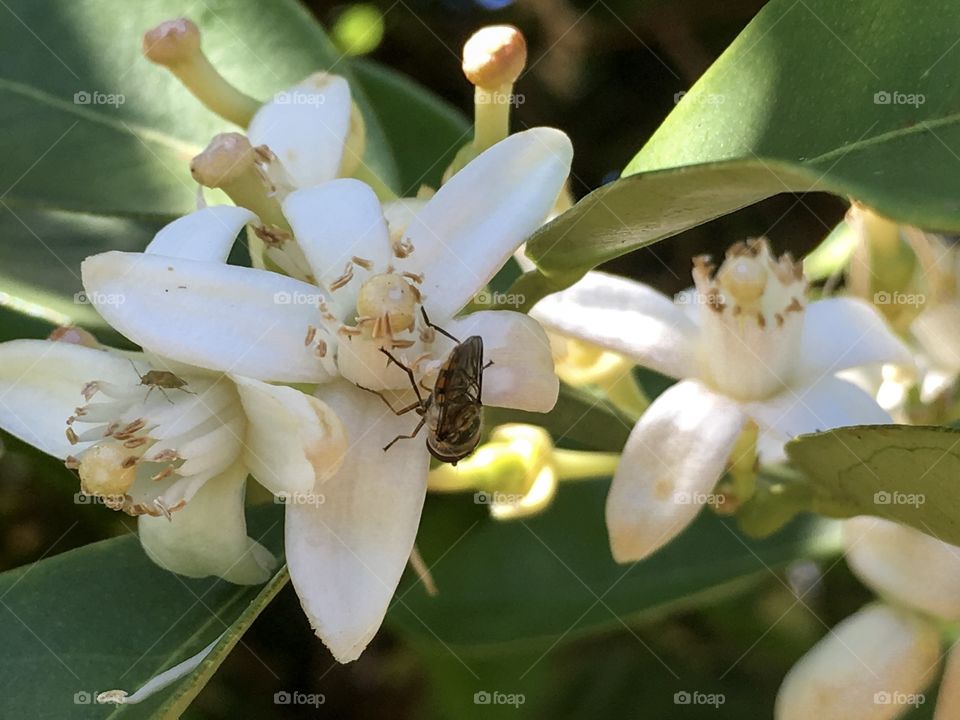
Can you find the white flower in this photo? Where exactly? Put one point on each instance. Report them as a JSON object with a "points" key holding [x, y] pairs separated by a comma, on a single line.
{"points": [[170, 443], [346, 555], [872, 666], [880, 660], [745, 346]]}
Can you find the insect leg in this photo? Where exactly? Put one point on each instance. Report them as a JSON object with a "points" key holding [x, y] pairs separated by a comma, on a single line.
{"points": [[412, 435], [401, 411], [408, 371], [423, 311]]}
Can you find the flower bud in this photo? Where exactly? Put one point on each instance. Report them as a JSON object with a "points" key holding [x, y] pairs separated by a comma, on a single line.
{"points": [[905, 565], [869, 667], [494, 56]]}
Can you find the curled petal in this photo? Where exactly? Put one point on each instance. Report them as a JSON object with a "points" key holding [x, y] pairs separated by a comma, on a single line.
{"points": [[347, 548], [521, 375], [843, 332], [827, 404], [204, 235], [220, 317], [868, 667], [468, 230], [671, 462], [906, 565], [41, 384], [626, 317], [306, 127], [294, 441], [208, 536]]}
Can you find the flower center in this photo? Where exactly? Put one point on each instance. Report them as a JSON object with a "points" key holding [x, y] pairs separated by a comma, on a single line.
{"points": [[388, 302], [751, 320], [147, 446]]}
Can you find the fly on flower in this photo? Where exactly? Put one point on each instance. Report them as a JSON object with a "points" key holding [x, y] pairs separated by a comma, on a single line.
{"points": [[453, 410]]}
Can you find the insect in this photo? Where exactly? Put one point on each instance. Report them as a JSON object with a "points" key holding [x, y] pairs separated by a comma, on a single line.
{"points": [[452, 411], [161, 380]]}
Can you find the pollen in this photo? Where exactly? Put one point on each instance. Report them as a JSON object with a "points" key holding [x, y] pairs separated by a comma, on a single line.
{"points": [[104, 470], [391, 301]]}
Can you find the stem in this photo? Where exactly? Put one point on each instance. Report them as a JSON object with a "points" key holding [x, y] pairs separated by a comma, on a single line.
{"points": [[491, 110], [584, 465], [625, 394], [213, 90]]}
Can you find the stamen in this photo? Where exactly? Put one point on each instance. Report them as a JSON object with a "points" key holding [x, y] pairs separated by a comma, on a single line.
{"points": [[175, 44]]}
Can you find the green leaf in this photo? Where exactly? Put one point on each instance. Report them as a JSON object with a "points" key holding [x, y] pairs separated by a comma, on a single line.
{"points": [[131, 156], [424, 131], [40, 262], [552, 577], [790, 107], [104, 617], [903, 473]]}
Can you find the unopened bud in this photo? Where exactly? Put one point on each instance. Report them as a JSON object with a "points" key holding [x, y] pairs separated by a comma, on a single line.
{"points": [[494, 56], [868, 667]]}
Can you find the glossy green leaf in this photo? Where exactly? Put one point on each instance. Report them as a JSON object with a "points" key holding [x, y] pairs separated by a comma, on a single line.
{"points": [[104, 617], [551, 577], [126, 149], [854, 99], [898, 472]]}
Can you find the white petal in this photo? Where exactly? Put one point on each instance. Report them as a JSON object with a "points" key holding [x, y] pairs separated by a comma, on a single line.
{"points": [[400, 213], [624, 316], [220, 317], [335, 222], [675, 455], [867, 668], [827, 404], [905, 565], [306, 127], [936, 330], [208, 536], [206, 235], [293, 440], [40, 384], [467, 231], [842, 332], [935, 382], [948, 699], [521, 375], [347, 553]]}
